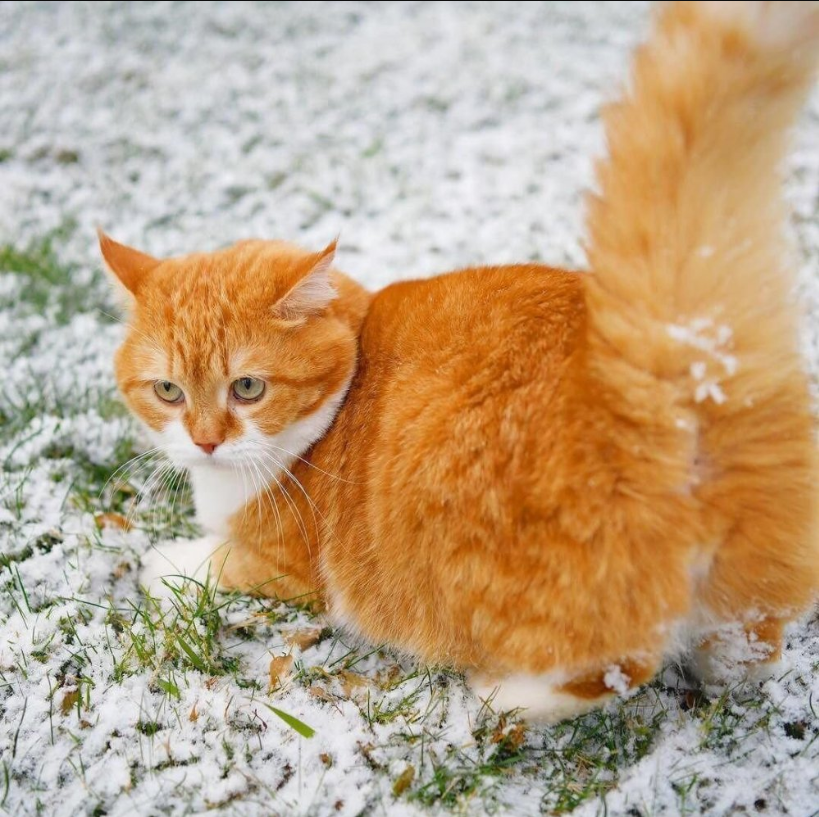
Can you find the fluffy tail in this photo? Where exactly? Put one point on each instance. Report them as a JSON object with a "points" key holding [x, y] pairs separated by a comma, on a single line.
{"points": [[689, 302]]}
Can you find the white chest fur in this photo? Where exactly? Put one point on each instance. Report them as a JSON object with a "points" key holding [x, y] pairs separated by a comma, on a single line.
{"points": [[218, 493]]}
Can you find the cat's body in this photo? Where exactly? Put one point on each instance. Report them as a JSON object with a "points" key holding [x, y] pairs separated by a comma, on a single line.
{"points": [[546, 478]]}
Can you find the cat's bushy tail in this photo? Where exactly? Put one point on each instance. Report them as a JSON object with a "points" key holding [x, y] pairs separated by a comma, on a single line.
{"points": [[690, 296]]}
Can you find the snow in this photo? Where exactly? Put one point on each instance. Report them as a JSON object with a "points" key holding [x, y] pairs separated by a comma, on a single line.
{"points": [[617, 680], [429, 136], [712, 339]]}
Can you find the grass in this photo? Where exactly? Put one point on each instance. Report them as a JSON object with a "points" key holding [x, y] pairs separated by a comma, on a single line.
{"points": [[66, 512], [49, 285]]}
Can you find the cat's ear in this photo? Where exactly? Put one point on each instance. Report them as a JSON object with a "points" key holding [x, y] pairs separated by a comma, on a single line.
{"points": [[314, 290], [129, 267]]}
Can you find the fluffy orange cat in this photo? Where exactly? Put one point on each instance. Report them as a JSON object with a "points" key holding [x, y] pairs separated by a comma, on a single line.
{"points": [[550, 480]]}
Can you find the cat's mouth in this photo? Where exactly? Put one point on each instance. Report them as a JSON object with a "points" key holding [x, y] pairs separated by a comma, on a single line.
{"points": [[211, 461]]}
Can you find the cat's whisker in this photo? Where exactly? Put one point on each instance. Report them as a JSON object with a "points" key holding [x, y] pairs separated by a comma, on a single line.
{"points": [[170, 483], [126, 471], [293, 507], [150, 493], [272, 499], [313, 507], [309, 464], [259, 494], [147, 490], [179, 479], [238, 467]]}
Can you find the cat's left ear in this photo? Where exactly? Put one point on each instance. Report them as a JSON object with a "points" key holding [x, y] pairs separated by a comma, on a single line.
{"points": [[129, 267], [314, 290]]}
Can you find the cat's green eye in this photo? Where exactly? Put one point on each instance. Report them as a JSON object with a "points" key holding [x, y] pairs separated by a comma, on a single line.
{"points": [[169, 392], [248, 389]]}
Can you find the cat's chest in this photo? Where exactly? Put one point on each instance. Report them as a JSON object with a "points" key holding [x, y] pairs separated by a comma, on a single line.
{"points": [[218, 494]]}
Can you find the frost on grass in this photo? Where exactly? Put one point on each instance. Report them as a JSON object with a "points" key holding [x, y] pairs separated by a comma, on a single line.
{"points": [[322, 119]]}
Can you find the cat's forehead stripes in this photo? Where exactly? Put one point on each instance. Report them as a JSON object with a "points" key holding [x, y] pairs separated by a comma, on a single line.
{"points": [[201, 322]]}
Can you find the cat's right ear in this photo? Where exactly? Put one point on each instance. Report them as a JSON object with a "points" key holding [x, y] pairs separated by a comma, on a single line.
{"points": [[130, 268]]}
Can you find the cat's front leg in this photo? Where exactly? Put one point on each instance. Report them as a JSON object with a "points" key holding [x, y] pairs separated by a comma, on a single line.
{"points": [[171, 563]]}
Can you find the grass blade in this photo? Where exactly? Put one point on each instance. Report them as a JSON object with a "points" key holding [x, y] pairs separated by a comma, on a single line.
{"points": [[300, 726]]}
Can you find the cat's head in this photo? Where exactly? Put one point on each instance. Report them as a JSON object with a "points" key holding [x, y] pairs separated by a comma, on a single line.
{"points": [[235, 353]]}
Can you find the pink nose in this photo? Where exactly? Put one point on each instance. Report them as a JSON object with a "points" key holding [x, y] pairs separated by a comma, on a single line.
{"points": [[208, 448]]}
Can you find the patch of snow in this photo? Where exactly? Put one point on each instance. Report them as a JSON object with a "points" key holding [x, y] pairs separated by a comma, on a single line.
{"points": [[322, 119], [617, 680]]}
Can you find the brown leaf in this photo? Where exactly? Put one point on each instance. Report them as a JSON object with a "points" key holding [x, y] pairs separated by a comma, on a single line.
{"points": [[69, 701], [351, 681], [386, 679], [321, 693], [512, 738], [121, 569], [280, 667], [303, 639], [112, 520], [194, 715], [403, 781]]}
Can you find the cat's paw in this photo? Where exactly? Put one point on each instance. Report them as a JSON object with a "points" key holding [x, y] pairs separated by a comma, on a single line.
{"points": [[174, 562], [733, 655], [538, 698]]}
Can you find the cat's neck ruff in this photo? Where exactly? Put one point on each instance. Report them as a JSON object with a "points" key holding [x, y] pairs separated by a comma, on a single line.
{"points": [[220, 491]]}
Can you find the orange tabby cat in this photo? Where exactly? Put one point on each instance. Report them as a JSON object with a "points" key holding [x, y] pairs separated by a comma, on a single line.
{"points": [[548, 479]]}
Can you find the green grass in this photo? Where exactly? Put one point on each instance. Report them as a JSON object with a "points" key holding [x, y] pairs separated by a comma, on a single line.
{"points": [[203, 639], [49, 284]]}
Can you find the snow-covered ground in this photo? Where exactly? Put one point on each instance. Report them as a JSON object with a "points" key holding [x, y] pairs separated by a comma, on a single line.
{"points": [[429, 136]]}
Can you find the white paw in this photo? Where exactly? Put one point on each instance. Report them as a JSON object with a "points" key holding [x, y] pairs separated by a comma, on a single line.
{"points": [[730, 657], [172, 563], [537, 696]]}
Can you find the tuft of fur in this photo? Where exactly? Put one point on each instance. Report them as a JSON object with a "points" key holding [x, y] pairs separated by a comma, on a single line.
{"points": [[540, 476]]}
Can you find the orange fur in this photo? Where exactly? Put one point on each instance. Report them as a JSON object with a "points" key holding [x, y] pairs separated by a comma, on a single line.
{"points": [[536, 471]]}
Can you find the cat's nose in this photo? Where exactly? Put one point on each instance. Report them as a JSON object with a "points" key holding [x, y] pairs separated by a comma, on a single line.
{"points": [[208, 448]]}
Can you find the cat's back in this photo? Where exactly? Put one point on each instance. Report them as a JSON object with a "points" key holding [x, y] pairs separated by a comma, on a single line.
{"points": [[462, 363], [460, 371], [459, 327], [466, 353]]}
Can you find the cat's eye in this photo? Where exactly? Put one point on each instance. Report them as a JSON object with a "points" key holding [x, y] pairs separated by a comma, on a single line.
{"points": [[169, 392], [248, 389]]}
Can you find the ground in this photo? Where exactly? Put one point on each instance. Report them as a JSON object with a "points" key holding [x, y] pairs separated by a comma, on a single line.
{"points": [[428, 136]]}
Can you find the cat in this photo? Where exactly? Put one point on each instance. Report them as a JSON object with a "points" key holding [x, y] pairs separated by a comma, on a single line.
{"points": [[551, 480]]}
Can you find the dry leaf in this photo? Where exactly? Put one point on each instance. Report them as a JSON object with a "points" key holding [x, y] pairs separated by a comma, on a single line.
{"points": [[280, 667], [404, 781], [112, 520], [321, 693], [351, 681], [69, 701], [386, 679], [304, 638], [194, 715], [121, 569], [512, 738]]}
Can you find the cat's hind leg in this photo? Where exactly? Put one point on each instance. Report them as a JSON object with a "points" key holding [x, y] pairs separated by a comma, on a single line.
{"points": [[739, 652], [558, 695]]}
